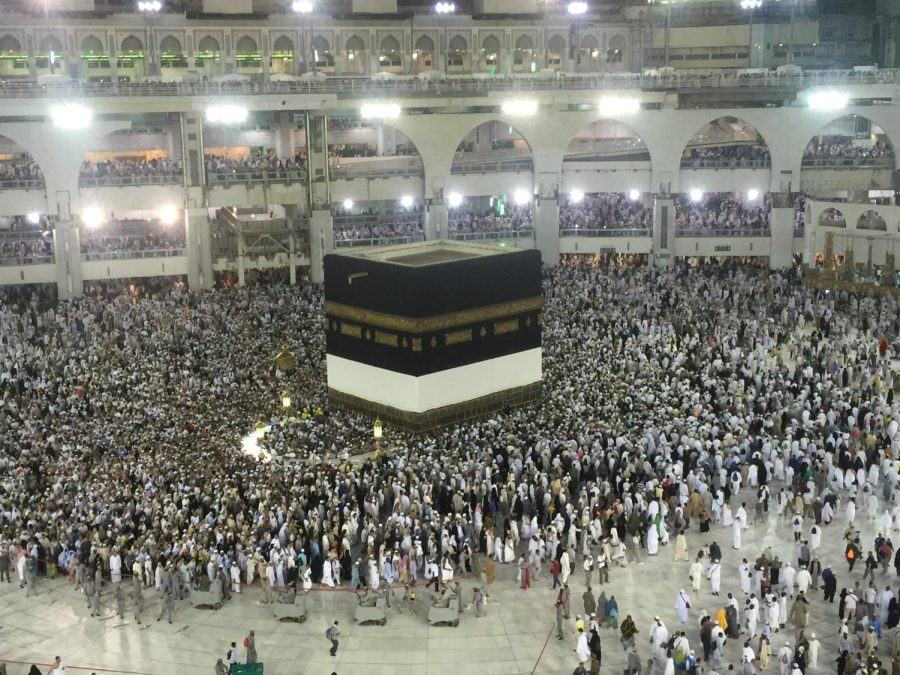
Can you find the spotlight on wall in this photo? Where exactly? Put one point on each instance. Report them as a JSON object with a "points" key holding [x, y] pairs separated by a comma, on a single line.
{"points": [[92, 217], [34, 218], [454, 200], [382, 111], [827, 100], [519, 107], [521, 197], [618, 105], [149, 6], [71, 116], [634, 195], [226, 113], [406, 201], [445, 8], [576, 195], [302, 6], [752, 194], [578, 8], [168, 214], [696, 195], [347, 204]]}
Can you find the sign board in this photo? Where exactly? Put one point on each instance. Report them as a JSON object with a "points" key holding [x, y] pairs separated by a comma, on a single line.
{"points": [[723, 248], [663, 256]]}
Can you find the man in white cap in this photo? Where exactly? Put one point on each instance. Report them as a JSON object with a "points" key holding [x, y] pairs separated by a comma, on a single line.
{"points": [[659, 635], [715, 576], [785, 659]]}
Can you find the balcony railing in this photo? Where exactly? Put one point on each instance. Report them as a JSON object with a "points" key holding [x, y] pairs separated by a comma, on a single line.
{"points": [[349, 87], [725, 163], [132, 255], [848, 163], [724, 232], [589, 232], [376, 241], [22, 184], [11, 261], [88, 181], [230, 177], [525, 233]]}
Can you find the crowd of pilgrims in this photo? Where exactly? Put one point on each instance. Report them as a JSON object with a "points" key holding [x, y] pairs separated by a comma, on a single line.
{"points": [[719, 212], [464, 220], [402, 228], [122, 244], [605, 211], [219, 167], [20, 170], [24, 249], [842, 147], [130, 168], [728, 153], [122, 414]]}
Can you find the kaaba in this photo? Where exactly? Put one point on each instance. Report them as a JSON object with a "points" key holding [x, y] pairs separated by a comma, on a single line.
{"points": [[432, 333]]}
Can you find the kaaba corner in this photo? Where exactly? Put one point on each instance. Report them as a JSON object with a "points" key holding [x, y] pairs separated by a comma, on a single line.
{"points": [[433, 333]]}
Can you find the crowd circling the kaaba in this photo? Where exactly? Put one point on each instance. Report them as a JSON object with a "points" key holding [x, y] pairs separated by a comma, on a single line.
{"points": [[670, 399]]}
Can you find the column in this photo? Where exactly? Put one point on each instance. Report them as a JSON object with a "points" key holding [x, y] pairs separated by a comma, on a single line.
{"points": [[781, 232], [242, 250], [292, 258], [284, 135], [436, 210], [192, 159], [67, 249], [321, 241], [546, 211], [198, 248], [317, 162], [663, 231]]}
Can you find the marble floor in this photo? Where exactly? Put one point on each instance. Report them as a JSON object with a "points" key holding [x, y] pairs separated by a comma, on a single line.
{"points": [[516, 636]]}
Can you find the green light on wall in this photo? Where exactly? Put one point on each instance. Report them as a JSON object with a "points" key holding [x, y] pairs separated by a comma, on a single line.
{"points": [[534, 66]]}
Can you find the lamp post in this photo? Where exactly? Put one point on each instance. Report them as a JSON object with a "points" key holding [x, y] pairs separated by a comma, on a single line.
{"points": [[286, 402], [304, 8], [752, 6], [377, 432], [147, 8]]}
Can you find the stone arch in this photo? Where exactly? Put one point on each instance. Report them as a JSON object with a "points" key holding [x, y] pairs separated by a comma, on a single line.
{"points": [[208, 44], [320, 44], [524, 43], [131, 44], [504, 146], [246, 45], [8, 43], [92, 45], [355, 44], [832, 217], [728, 131], [283, 44], [491, 45], [404, 146], [853, 127], [50, 43], [390, 44], [871, 220], [590, 42], [170, 44], [606, 138], [425, 44], [458, 44], [616, 50], [556, 44]]}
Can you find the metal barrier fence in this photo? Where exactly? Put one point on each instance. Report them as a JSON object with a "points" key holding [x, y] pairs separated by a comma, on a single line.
{"points": [[590, 232], [848, 163], [284, 176], [725, 163], [132, 255], [88, 181], [499, 234], [375, 241], [22, 184]]}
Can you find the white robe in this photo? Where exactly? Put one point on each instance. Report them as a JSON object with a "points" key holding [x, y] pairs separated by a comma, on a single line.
{"points": [[715, 577], [115, 568], [736, 533], [235, 578], [681, 606], [652, 541], [744, 570], [582, 648]]}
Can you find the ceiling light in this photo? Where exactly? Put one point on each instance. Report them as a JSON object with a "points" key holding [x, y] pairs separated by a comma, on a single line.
{"points": [[34, 218], [347, 204], [71, 116], [519, 107], [302, 6], [454, 200], [92, 217], [576, 196], [616, 105], [406, 201], [752, 194], [578, 7], [168, 214], [380, 111], [226, 114], [696, 195], [521, 197], [445, 8], [634, 195], [827, 100]]}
